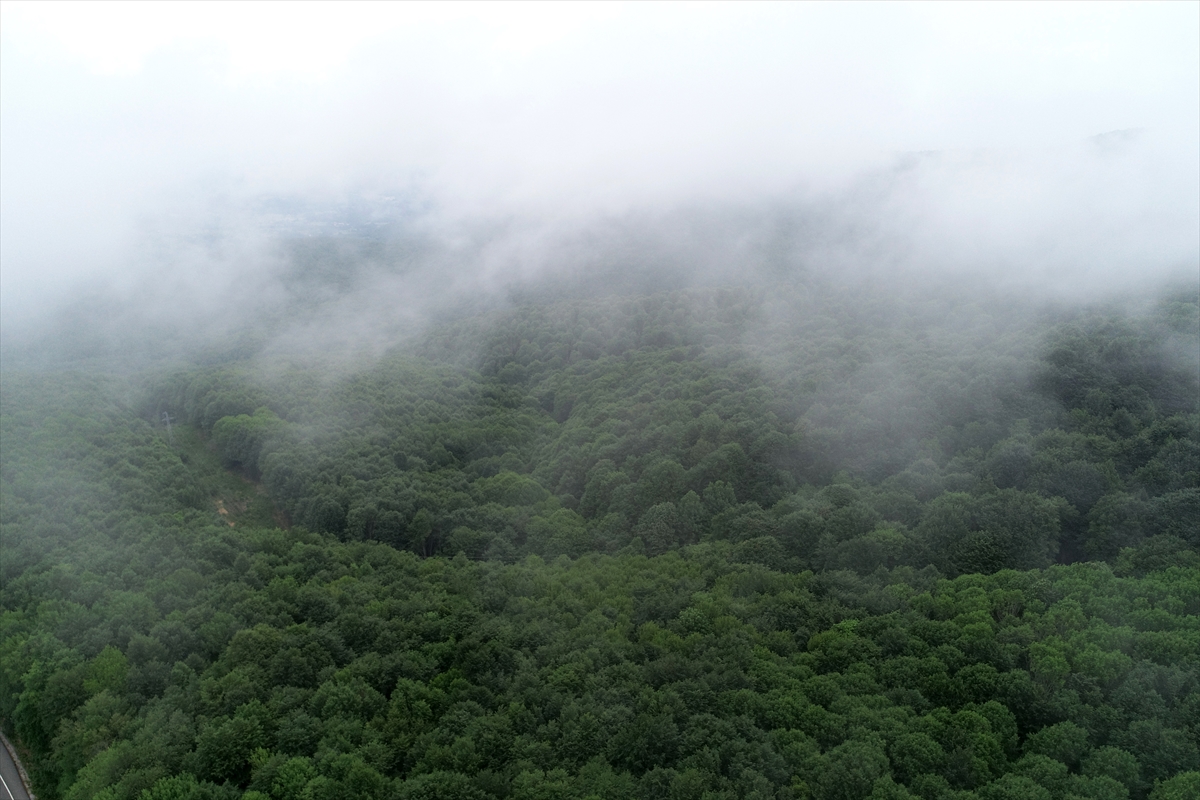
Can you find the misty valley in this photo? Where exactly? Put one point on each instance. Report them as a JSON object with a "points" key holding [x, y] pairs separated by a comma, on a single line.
{"points": [[772, 535]]}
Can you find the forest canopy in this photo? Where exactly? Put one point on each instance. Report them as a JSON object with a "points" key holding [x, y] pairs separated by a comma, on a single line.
{"points": [[800, 540]]}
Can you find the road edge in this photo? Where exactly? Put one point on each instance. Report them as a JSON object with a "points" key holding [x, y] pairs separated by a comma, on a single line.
{"points": [[12, 751]]}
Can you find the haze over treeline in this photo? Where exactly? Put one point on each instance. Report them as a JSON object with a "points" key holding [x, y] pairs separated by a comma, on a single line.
{"points": [[576, 401], [156, 173]]}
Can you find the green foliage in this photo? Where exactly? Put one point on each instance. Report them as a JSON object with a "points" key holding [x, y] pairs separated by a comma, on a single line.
{"points": [[599, 550], [1180, 787]]}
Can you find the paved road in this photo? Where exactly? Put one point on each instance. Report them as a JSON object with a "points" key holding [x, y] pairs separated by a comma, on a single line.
{"points": [[11, 787]]}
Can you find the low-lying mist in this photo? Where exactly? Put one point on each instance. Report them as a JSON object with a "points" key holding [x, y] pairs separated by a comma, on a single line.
{"points": [[176, 189], [340, 279]]}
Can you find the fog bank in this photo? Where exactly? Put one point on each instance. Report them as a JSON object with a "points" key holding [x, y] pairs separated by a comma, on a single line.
{"points": [[351, 171]]}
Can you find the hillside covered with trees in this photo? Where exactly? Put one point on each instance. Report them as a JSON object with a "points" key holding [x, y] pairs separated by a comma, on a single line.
{"points": [[806, 539]]}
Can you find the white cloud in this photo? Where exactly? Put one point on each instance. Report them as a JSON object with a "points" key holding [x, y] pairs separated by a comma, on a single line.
{"points": [[109, 110]]}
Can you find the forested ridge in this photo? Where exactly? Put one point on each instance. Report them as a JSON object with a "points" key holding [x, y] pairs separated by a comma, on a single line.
{"points": [[806, 540]]}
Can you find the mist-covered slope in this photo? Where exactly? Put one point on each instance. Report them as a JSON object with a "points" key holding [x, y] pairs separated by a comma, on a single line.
{"points": [[704, 406], [810, 538], [519, 401]]}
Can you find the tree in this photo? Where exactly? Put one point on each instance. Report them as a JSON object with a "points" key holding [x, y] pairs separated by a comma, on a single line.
{"points": [[851, 770]]}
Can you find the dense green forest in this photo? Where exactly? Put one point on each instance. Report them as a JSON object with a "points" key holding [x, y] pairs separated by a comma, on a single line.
{"points": [[806, 540]]}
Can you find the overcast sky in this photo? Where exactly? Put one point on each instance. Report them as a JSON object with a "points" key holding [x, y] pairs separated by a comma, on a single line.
{"points": [[113, 113]]}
